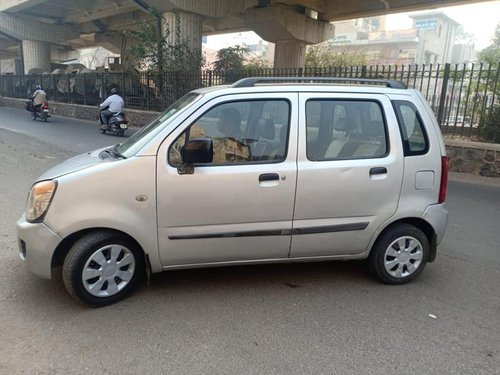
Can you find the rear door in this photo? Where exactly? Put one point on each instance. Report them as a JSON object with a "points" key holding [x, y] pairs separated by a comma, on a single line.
{"points": [[350, 170]]}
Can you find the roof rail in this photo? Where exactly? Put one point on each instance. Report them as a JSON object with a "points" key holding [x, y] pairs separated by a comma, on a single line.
{"points": [[251, 81]]}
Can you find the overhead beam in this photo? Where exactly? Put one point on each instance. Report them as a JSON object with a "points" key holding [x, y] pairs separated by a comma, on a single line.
{"points": [[205, 8], [338, 10], [13, 6], [4, 55], [215, 26], [99, 11], [127, 21], [22, 29]]}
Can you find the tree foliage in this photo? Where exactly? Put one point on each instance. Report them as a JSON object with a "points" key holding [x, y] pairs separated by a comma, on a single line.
{"points": [[489, 130], [230, 59], [324, 55], [156, 53], [491, 54]]}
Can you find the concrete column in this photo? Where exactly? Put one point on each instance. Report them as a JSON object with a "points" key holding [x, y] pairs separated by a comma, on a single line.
{"points": [[289, 54], [189, 25], [290, 30], [36, 55]]}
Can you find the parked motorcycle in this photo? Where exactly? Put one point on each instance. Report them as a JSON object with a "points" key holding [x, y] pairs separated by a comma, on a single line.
{"points": [[116, 125]]}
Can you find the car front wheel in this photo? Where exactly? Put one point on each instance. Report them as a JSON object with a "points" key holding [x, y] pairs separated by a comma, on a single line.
{"points": [[102, 268]]}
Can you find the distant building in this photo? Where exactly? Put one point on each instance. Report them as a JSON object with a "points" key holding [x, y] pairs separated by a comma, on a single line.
{"points": [[382, 47], [431, 40], [436, 33], [463, 53]]}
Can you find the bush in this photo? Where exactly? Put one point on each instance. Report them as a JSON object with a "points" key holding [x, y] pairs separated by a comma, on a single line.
{"points": [[489, 127]]}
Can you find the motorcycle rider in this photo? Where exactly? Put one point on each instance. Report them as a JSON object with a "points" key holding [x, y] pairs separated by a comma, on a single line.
{"points": [[38, 98], [111, 106]]}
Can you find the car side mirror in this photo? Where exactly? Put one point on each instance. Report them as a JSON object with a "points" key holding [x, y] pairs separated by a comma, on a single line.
{"points": [[197, 150]]}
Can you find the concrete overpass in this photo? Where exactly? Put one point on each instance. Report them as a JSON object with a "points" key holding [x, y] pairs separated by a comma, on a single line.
{"points": [[41, 31]]}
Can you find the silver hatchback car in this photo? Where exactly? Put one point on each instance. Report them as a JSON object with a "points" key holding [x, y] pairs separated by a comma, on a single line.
{"points": [[261, 171]]}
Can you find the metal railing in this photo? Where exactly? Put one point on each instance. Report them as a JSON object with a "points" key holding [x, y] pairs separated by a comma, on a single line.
{"points": [[464, 97]]}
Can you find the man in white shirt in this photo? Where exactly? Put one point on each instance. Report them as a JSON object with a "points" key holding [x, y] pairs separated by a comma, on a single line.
{"points": [[112, 105], [39, 97]]}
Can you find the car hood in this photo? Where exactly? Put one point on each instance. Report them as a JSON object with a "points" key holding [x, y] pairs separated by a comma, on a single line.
{"points": [[77, 163]]}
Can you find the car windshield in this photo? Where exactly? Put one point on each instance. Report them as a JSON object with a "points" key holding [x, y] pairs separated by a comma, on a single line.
{"points": [[143, 136]]}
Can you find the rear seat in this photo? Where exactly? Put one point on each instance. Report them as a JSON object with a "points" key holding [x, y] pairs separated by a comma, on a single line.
{"points": [[360, 145]]}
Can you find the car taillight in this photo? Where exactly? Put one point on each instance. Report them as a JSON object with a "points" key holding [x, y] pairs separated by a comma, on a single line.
{"points": [[444, 179]]}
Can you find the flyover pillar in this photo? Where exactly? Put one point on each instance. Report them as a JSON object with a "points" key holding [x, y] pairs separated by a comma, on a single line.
{"points": [[36, 55], [289, 54], [290, 30], [184, 26]]}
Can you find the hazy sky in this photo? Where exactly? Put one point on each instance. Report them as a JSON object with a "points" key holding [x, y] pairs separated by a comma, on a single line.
{"points": [[478, 19]]}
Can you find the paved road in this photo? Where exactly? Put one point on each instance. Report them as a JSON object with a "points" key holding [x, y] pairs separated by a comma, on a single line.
{"points": [[69, 134], [329, 318]]}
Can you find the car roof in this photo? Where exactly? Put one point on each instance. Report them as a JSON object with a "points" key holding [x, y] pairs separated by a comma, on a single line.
{"points": [[311, 84], [303, 87]]}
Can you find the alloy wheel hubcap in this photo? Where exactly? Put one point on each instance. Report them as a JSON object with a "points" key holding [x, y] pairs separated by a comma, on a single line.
{"points": [[108, 270], [403, 257]]}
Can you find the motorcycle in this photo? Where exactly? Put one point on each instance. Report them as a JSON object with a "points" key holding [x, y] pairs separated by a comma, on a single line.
{"points": [[116, 125], [42, 112]]}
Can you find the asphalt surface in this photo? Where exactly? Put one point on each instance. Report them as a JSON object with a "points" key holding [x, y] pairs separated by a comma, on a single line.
{"points": [[323, 318]]}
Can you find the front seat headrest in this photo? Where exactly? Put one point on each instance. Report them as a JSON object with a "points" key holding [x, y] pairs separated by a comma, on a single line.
{"points": [[265, 128]]}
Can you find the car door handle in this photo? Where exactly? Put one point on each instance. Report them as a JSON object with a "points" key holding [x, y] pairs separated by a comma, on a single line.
{"points": [[378, 170], [269, 177]]}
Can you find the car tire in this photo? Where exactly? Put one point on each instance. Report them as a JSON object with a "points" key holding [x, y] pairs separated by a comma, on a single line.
{"points": [[102, 268], [399, 254]]}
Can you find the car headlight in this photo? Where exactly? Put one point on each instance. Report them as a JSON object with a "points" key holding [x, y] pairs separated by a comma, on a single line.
{"points": [[39, 200]]}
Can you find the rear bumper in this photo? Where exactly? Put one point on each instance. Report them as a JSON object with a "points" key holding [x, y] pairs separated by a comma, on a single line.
{"points": [[437, 216], [37, 244]]}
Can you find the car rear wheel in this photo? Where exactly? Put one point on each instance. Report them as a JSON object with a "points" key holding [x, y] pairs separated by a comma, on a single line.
{"points": [[102, 268], [400, 254]]}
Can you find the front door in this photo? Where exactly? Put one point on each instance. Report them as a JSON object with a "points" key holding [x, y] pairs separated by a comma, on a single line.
{"points": [[350, 170], [240, 206]]}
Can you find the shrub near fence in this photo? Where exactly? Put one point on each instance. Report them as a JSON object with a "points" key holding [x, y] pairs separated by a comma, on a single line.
{"points": [[464, 97]]}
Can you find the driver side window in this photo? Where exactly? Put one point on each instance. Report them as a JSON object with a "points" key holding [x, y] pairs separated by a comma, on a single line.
{"points": [[242, 132]]}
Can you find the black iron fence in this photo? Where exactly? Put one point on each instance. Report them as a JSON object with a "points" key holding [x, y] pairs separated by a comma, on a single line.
{"points": [[464, 97]]}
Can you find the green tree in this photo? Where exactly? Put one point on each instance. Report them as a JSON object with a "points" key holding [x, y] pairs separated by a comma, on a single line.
{"points": [[231, 58], [156, 53], [489, 126], [229, 61], [491, 54], [324, 55]]}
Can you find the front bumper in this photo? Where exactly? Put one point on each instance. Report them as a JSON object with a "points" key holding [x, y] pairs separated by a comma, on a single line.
{"points": [[37, 244]]}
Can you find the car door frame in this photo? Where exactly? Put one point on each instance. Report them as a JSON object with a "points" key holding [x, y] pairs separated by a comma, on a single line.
{"points": [[274, 235], [347, 236]]}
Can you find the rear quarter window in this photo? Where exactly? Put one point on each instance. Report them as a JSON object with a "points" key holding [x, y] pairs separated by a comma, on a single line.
{"points": [[413, 134]]}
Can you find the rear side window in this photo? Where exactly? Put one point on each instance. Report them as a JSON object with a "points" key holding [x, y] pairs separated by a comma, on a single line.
{"points": [[415, 141], [345, 129]]}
